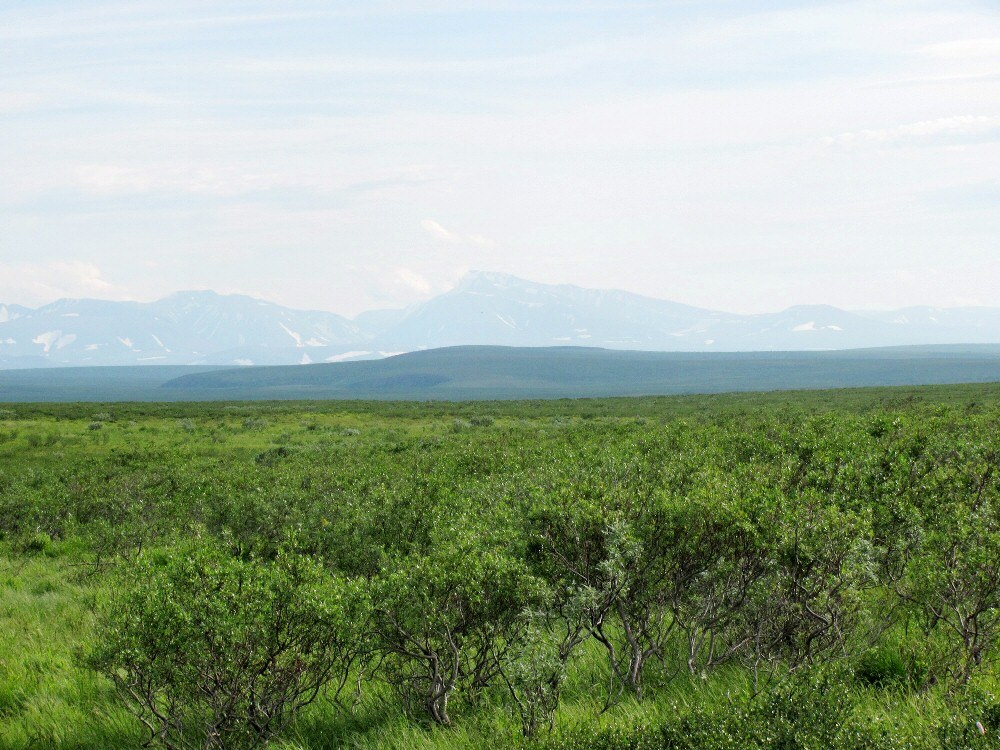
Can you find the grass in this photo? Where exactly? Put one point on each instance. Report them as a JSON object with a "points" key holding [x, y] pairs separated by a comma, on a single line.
{"points": [[47, 698]]}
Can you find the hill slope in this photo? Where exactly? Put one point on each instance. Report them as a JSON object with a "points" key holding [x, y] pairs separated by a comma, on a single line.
{"points": [[499, 372], [482, 372]]}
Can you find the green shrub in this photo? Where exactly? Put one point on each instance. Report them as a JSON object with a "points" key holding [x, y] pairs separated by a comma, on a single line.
{"points": [[886, 667], [973, 721], [38, 543], [273, 456], [447, 622], [210, 651]]}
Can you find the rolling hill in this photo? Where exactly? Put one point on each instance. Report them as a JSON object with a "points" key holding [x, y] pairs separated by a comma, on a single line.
{"points": [[487, 372]]}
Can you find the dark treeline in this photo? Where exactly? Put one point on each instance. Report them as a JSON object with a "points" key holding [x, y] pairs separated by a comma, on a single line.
{"points": [[791, 554]]}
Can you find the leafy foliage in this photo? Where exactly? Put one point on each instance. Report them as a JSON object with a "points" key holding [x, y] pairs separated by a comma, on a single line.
{"points": [[214, 652]]}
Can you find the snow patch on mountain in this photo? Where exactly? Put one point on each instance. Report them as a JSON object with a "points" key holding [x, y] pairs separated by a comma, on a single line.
{"points": [[811, 326], [296, 337], [53, 339]]}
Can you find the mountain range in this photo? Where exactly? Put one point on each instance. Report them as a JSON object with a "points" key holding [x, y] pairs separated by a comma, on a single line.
{"points": [[205, 328]]}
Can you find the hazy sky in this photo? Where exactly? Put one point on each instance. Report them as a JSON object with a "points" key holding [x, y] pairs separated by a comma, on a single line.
{"points": [[737, 155]]}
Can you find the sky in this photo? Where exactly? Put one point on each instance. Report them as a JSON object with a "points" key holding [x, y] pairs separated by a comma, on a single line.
{"points": [[344, 156]]}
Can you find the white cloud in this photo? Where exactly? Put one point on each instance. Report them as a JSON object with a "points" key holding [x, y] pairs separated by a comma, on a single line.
{"points": [[964, 48], [13, 102], [40, 283], [110, 178], [137, 17], [437, 231], [412, 280], [215, 180], [958, 125]]}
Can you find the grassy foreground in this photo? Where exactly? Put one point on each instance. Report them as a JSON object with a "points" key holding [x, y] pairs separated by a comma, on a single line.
{"points": [[88, 492]]}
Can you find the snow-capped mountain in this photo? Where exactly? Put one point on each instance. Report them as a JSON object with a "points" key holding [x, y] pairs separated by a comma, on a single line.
{"points": [[185, 328], [485, 308], [493, 308]]}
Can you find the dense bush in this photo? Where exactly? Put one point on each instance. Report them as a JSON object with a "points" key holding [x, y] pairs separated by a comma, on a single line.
{"points": [[450, 620], [214, 652]]}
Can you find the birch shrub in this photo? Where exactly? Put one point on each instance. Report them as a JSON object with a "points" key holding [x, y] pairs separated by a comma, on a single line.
{"points": [[210, 651]]}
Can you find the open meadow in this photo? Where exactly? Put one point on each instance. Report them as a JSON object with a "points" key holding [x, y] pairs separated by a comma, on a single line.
{"points": [[800, 570]]}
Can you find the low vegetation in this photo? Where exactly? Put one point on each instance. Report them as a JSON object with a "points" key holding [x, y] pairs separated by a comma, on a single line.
{"points": [[786, 570]]}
